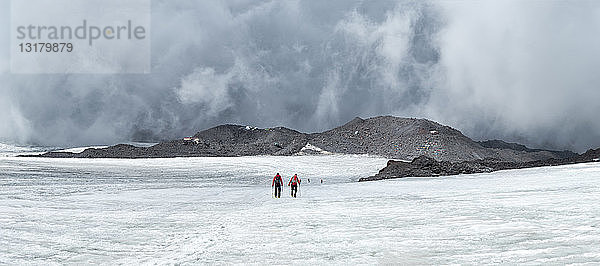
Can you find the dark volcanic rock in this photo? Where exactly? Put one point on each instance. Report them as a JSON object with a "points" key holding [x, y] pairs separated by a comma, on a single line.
{"points": [[225, 140], [500, 144], [590, 155], [386, 136], [408, 138], [232, 140], [424, 166]]}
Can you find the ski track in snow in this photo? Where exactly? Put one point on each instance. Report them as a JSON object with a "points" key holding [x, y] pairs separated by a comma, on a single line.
{"points": [[220, 211]]}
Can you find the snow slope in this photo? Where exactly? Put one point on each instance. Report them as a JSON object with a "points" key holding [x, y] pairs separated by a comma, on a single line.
{"points": [[220, 211]]}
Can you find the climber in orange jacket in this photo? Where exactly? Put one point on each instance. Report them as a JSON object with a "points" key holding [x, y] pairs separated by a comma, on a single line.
{"points": [[277, 183], [294, 182]]}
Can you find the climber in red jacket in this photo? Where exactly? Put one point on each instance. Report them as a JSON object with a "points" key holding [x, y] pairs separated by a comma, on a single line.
{"points": [[277, 183], [294, 182]]}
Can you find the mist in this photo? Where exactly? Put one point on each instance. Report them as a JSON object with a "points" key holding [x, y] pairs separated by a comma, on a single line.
{"points": [[522, 71]]}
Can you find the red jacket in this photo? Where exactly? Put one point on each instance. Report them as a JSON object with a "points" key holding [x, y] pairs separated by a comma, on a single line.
{"points": [[294, 181], [279, 182]]}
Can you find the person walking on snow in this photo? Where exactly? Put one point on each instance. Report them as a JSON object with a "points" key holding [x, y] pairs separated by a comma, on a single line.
{"points": [[277, 183], [294, 182]]}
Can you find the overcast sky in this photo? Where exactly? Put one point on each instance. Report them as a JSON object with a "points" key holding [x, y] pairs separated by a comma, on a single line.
{"points": [[525, 71]]}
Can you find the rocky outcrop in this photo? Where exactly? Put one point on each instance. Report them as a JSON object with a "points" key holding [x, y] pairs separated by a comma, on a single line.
{"points": [[386, 136], [424, 166], [408, 138], [224, 140], [500, 144]]}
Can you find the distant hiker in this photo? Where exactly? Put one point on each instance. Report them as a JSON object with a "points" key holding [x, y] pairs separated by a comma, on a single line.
{"points": [[309, 180], [277, 184], [294, 182], [321, 180]]}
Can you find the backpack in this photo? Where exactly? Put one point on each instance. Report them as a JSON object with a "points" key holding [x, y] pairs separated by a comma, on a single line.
{"points": [[278, 181]]}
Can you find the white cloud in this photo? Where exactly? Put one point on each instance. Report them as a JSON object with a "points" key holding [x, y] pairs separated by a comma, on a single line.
{"points": [[517, 70], [207, 88]]}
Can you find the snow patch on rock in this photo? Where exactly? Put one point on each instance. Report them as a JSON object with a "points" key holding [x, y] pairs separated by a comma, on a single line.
{"points": [[310, 149], [81, 149]]}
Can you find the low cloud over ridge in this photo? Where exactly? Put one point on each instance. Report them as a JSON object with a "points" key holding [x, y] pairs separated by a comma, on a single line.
{"points": [[521, 71]]}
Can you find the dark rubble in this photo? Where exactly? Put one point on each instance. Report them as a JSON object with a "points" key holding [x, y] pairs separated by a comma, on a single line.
{"points": [[385, 136], [424, 166]]}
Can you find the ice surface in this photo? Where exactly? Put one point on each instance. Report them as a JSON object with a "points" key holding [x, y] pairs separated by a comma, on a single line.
{"points": [[9, 150], [220, 211]]}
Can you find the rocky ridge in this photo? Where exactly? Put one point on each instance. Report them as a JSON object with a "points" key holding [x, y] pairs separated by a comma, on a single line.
{"points": [[424, 166], [386, 136]]}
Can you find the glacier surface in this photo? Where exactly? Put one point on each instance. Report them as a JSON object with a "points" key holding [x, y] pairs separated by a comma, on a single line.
{"points": [[221, 211]]}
